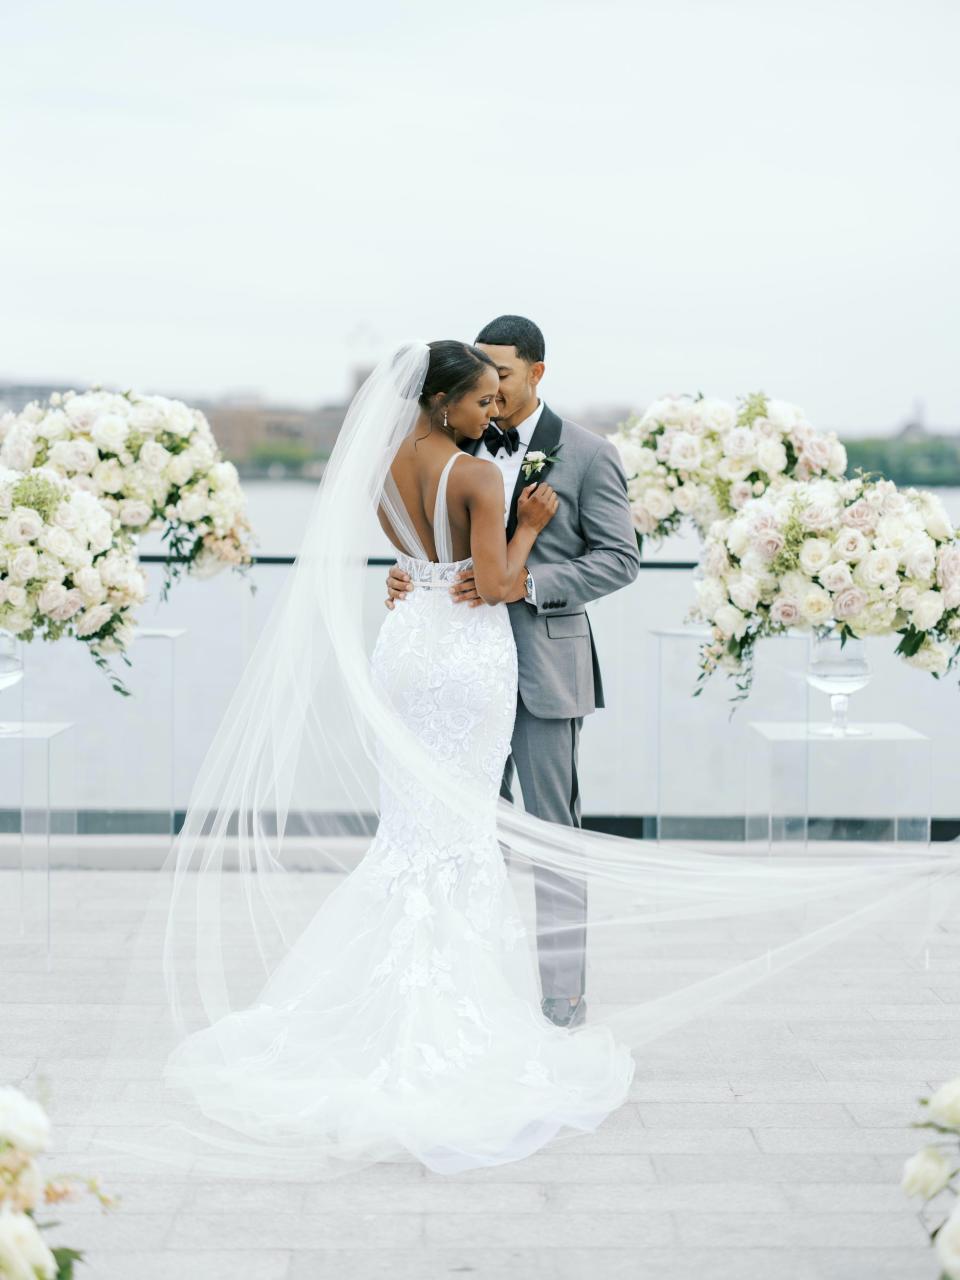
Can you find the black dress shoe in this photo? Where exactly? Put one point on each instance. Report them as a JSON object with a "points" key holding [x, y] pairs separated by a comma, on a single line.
{"points": [[559, 1011]]}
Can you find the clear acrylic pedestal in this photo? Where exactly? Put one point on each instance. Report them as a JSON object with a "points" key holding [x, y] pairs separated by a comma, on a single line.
{"points": [[167, 636], [805, 785], [701, 742], [37, 770]]}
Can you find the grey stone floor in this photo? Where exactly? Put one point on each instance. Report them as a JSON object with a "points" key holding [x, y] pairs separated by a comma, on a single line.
{"points": [[766, 1141]]}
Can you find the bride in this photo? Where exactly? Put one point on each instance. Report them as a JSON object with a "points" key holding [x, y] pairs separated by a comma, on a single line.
{"points": [[407, 1016]]}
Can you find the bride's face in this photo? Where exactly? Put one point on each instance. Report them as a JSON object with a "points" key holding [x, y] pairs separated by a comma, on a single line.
{"points": [[473, 412]]}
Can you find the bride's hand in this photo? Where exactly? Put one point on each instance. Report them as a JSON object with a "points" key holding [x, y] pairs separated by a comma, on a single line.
{"points": [[537, 506]]}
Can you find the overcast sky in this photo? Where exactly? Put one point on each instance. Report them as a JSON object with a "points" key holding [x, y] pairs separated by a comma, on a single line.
{"points": [[719, 195]]}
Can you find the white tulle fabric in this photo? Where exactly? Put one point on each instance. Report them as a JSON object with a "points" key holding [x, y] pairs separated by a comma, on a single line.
{"points": [[287, 1025]]}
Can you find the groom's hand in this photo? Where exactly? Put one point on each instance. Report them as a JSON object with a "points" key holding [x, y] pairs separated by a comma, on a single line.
{"points": [[398, 586], [464, 590]]}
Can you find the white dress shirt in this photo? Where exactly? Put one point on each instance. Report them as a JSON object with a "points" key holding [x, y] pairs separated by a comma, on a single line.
{"points": [[509, 463]]}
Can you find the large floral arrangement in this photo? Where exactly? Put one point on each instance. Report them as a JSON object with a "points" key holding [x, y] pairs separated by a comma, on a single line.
{"points": [[152, 462], [703, 459], [24, 1135], [61, 569], [931, 1174], [857, 555]]}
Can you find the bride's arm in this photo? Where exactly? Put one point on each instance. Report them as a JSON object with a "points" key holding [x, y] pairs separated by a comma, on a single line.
{"points": [[497, 563]]}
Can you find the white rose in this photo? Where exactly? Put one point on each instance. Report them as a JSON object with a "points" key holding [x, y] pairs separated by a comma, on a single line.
{"points": [[744, 592], [850, 545], [23, 1254], [657, 502], [17, 597], [815, 554], [146, 415], [948, 1245], [74, 455], [877, 567], [932, 657], [710, 595], [58, 542], [740, 494], [734, 469], [848, 603], [772, 457], [23, 525], [19, 451], [685, 498], [925, 1174], [927, 610], [816, 606], [110, 432], [54, 425], [154, 456], [920, 556], [730, 620], [180, 469], [785, 611], [23, 1123], [739, 442], [90, 584], [836, 576], [23, 565], [816, 454], [837, 463], [108, 475], [134, 513], [935, 518], [92, 619], [203, 456], [51, 598], [685, 453], [944, 1106]]}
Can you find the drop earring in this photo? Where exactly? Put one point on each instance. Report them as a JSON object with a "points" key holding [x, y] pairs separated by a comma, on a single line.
{"points": [[444, 419]]}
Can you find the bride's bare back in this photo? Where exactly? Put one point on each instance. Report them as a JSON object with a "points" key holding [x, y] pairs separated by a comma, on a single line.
{"points": [[473, 507]]}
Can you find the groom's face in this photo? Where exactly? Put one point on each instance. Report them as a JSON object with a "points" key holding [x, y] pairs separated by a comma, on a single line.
{"points": [[519, 380]]}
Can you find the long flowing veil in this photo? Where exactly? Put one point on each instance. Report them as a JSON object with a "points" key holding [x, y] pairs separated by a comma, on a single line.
{"points": [[287, 801]]}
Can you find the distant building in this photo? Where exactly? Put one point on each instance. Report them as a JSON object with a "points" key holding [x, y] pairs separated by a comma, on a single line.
{"points": [[915, 427]]}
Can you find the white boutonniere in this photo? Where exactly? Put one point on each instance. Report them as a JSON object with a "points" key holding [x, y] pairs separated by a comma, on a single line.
{"points": [[535, 461]]}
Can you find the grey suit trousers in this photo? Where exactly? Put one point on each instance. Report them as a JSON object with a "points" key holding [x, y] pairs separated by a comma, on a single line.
{"points": [[543, 757]]}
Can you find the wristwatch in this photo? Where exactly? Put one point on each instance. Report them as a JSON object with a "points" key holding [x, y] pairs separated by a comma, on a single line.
{"points": [[530, 594]]}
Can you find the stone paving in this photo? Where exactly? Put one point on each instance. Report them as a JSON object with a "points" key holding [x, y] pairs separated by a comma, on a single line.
{"points": [[766, 1141]]}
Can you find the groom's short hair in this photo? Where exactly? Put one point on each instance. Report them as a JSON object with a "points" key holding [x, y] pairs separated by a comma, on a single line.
{"points": [[515, 331]]}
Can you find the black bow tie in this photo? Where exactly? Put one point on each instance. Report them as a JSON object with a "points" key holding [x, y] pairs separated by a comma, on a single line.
{"points": [[495, 439]]}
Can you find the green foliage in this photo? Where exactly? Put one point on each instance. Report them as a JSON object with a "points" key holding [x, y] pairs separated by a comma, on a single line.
{"points": [[38, 493], [752, 407], [930, 460], [65, 1259], [788, 557], [285, 453]]}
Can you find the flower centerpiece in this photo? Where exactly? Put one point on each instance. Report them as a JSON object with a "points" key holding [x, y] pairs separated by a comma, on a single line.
{"points": [[24, 1135], [858, 556], [703, 459], [152, 462], [62, 572], [931, 1175]]}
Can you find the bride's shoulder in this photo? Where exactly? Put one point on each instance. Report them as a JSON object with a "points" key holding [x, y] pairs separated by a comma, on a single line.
{"points": [[476, 475]]}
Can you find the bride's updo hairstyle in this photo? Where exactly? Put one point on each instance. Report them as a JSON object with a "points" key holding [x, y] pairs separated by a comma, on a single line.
{"points": [[454, 368]]}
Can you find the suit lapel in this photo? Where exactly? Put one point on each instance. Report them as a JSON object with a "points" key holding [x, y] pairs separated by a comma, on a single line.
{"points": [[545, 438]]}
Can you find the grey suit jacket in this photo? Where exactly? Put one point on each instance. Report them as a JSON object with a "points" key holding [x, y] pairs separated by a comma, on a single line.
{"points": [[588, 550]]}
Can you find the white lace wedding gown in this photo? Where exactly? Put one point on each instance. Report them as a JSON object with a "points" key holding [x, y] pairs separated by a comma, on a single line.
{"points": [[406, 1019]]}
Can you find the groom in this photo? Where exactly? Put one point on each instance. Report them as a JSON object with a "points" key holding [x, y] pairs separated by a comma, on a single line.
{"points": [[587, 550]]}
